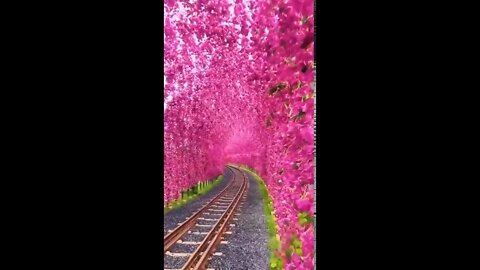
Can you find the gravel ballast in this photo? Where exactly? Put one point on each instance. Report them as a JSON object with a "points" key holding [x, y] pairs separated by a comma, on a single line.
{"points": [[247, 246], [172, 218]]}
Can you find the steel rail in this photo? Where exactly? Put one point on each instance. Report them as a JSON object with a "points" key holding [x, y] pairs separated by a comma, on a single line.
{"points": [[201, 255], [171, 238]]}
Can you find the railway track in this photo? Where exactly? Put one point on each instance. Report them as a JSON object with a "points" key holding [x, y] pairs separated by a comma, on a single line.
{"points": [[218, 214]]}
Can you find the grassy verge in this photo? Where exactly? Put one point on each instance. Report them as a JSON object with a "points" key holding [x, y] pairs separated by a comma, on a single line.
{"points": [[276, 262], [192, 194]]}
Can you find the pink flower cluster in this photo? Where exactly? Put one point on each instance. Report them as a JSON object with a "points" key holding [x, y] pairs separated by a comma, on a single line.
{"points": [[238, 90]]}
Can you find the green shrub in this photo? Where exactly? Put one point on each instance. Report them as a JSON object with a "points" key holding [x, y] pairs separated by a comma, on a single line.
{"points": [[193, 193]]}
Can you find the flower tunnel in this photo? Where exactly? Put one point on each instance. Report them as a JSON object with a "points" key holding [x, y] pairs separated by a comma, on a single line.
{"points": [[238, 78]]}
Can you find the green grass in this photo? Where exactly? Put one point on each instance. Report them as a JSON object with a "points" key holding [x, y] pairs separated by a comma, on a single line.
{"points": [[276, 262], [192, 194]]}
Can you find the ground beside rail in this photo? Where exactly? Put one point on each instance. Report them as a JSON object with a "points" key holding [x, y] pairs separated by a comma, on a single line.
{"points": [[178, 215], [194, 194], [247, 246]]}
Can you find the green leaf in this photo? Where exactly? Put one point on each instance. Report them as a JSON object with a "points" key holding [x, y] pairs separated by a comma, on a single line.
{"points": [[276, 263], [303, 221], [289, 253], [296, 243], [304, 218]]}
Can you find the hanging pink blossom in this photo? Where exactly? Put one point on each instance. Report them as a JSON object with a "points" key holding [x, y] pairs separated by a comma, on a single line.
{"points": [[237, 90]]}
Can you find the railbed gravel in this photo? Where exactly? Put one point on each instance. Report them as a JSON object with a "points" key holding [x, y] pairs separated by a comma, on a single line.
{"points": [[179, 215], [175, 262], [247, 247]]}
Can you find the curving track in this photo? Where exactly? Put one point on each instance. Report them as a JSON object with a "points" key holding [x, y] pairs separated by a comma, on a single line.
{"points": [[217, 213]]}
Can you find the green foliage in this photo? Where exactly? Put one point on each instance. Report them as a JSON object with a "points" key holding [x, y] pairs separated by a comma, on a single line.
{"points": [[276, 263], [289, 253], [304, 218], [299, 116], [277, 88], [296, 246], [192, 194]]}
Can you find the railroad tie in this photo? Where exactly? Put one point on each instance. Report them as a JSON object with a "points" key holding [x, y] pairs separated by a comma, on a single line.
{"points": [[188, 242], [217, 206], [204, 225], [175, 254], [209, 219]]}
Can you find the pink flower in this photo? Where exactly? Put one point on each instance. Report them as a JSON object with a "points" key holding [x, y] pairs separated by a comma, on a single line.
{"points": [[207, 123], [303, 205]]}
